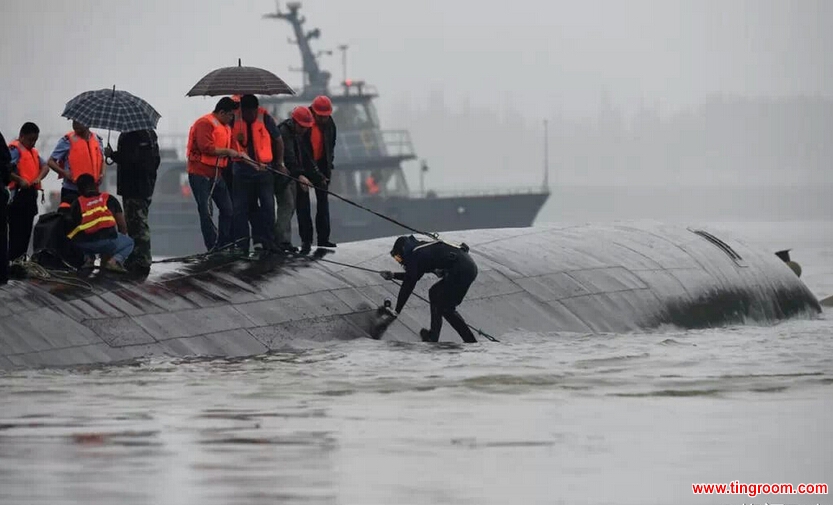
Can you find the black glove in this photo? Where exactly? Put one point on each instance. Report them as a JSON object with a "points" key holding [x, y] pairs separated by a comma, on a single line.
{"points": [[386, 274]]}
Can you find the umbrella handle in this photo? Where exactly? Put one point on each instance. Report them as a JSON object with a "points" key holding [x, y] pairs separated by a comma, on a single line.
{"points": [[108, 160]]}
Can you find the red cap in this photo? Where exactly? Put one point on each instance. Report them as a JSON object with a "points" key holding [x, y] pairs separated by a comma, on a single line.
{"points": [[322, 106], [303, 116]]}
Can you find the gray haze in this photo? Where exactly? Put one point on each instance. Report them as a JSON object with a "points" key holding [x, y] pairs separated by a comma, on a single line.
{"points": [[610, 76]]}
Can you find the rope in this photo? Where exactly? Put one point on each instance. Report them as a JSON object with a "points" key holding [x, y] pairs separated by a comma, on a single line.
{"points": [[36, 271], [346, 200], [202, 255]]}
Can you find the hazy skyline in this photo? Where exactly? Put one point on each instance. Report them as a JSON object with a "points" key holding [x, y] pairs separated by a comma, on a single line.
{"points": [[533, 56]]}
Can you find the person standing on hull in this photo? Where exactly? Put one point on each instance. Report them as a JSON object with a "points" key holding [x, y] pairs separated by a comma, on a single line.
{"points": [[209, 148], [256, 133], [5, 178], [297, 165], [456, 270], [28, 170], [137, 158], [320, 140], [78, 152]]}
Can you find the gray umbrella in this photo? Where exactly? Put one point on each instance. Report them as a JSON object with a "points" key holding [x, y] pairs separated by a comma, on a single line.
{"points": [[112, 110], [240, 80]]}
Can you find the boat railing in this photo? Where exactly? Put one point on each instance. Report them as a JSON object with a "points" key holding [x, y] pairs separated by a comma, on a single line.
{"points": [[357, 88], [524, 190], [362, 145]]}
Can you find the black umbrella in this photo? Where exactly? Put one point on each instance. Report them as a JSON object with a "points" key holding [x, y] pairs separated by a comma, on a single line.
{"points": [[240, 80]]}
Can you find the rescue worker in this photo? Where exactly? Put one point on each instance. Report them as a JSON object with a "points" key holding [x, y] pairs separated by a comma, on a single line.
{"points": [[255, 132], [137, 158], [320, 140], [299, 165], [28, 170], [97, 226], [456, 270], [78, 152], [5, 178], [370, 185], [209, 148]]}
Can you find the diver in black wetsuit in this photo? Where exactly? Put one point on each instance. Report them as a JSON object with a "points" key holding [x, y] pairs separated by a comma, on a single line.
{"points": [[456, 270]]}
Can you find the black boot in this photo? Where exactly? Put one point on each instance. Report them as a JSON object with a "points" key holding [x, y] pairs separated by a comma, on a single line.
{"points": [[427, 336], [326, 243], [306, 247]]}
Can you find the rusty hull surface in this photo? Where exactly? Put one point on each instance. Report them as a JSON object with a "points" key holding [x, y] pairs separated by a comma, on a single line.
{"points": [[585, 279]]}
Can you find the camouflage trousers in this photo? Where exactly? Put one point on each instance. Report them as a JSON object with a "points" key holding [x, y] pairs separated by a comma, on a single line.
{"points": [[285, 196], [136, 215]]}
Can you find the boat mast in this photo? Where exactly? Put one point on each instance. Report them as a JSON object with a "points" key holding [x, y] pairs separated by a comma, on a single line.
{"points": [[318, 79], [546, 156]]}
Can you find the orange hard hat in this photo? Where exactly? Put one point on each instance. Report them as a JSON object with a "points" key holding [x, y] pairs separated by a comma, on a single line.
{"points": [[303, 116], [322, 106]]}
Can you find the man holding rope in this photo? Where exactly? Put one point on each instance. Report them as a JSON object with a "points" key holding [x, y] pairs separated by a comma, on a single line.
{"points": [[299, 165], [209, 148]]}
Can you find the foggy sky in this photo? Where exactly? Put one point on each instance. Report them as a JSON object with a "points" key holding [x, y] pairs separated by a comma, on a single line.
{"points": [[535, 56], [481, 73]]}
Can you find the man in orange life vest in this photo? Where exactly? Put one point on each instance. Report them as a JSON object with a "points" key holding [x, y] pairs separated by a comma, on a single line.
{"points": [[78, 152], [28, 169], [209, 149], [320, 141], [253, 190], [97, 226]]}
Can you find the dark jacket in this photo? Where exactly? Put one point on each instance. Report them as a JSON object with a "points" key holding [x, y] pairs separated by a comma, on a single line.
{"points": [[420, 258], [296, 156], [138, 161], [329, 131], [5, 162]]}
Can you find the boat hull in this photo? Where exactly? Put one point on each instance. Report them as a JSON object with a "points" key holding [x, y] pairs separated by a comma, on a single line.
{"points": [[555, 280], [176, 231]]}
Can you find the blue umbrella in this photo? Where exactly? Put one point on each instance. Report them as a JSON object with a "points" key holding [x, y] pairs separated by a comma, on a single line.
{"points": [[112, 110]]}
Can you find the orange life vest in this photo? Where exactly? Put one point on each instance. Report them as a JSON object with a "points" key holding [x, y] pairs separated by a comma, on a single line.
{"points": [[221, 140], [84, 156], [372, 187], [28, 165], [95, 215], [316, 138], [261, 137]]}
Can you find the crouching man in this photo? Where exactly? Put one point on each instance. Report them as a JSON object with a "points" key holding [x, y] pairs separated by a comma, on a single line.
{"points": [[97, 225], [456, 270]]}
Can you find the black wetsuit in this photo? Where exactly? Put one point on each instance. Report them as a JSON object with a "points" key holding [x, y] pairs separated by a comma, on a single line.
{"points": [[457, 272]]}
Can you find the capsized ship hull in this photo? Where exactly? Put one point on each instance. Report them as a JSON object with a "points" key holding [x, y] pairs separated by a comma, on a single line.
{"points": [[587, 279]]}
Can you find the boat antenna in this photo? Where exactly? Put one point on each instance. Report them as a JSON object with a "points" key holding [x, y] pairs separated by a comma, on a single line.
{"points": [[343, 48], [318, 79]]}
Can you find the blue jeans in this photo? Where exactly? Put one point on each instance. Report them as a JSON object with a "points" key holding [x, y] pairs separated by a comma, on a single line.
{"points": [[254, 202], [201, 189], [119, 247]]}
